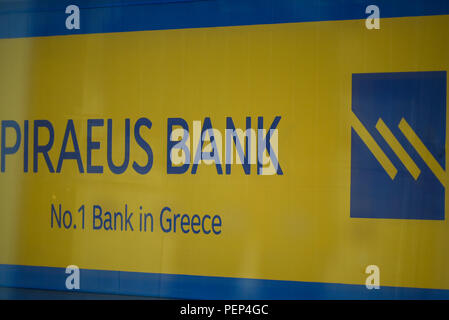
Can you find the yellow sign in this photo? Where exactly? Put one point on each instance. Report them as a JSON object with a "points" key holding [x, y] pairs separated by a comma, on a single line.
{"points": [[116, 168]]}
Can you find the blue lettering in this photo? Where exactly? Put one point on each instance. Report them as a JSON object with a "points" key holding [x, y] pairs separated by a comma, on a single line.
{"points": [[92, 145], [177, 145], [144, 145], [9, 150], [121, 168], [75, 155], [42, 148]]}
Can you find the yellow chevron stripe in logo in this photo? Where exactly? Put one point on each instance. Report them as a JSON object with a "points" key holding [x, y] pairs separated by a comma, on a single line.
{"points": [[397, 148]]}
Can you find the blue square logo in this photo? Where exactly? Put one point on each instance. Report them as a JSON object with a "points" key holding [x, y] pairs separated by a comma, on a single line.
{"points": [[398, 139]]}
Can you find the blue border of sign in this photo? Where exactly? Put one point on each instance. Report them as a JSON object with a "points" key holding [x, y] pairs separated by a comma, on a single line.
{"points": [[201, 287], [36, 18]]}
